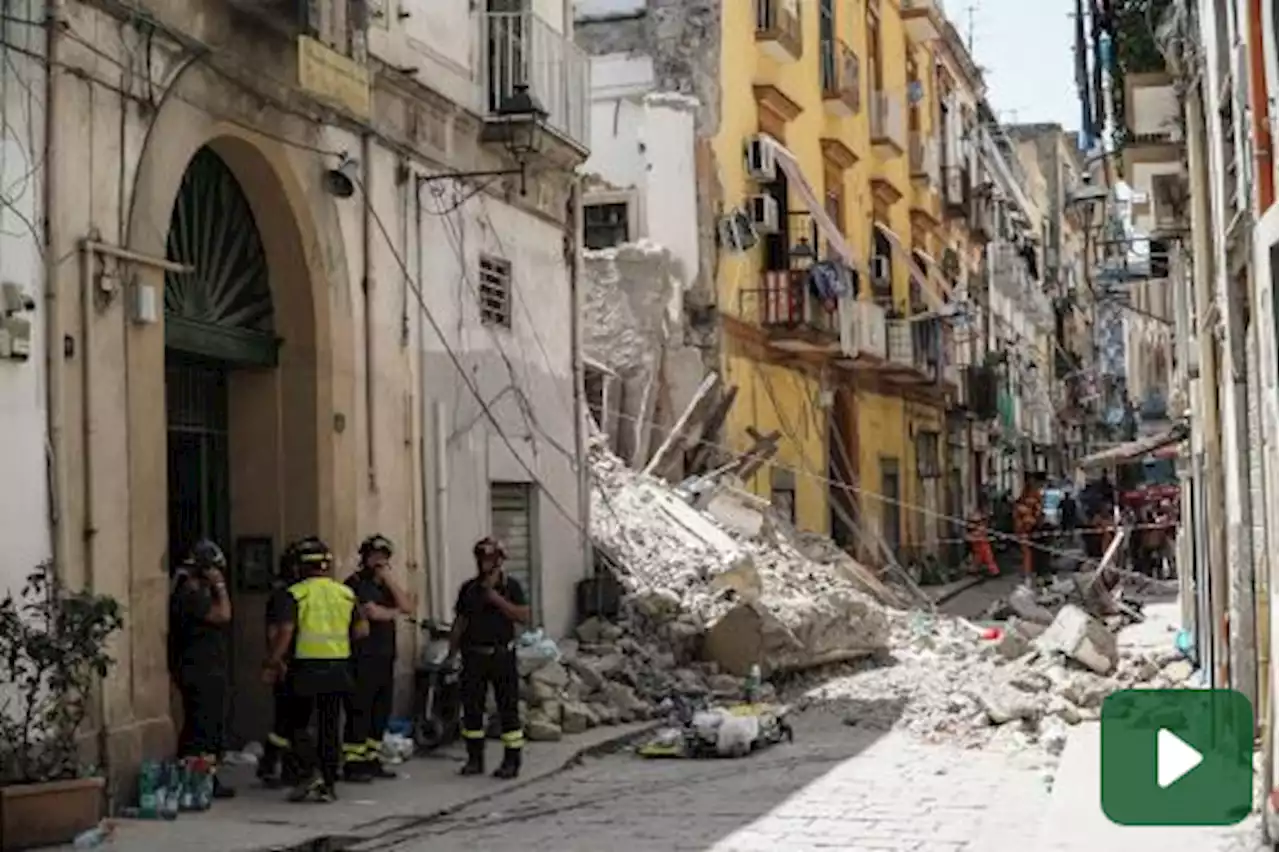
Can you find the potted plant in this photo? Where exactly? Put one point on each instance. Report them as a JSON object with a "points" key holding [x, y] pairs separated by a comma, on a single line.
{"points": [[53, 648]]}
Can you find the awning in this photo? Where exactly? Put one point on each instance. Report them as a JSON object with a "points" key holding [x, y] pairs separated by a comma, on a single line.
{"points": [[826, 226], [936, 302], [1131, 450], [934, 271]]}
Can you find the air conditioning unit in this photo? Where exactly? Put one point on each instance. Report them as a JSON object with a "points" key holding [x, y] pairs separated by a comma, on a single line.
{"points": [[761, 159], [737, 234], [881, 271], [862, 330], [764, 214]]}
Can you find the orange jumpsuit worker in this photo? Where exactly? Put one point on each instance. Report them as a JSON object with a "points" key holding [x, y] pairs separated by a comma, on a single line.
{"points": [[984, 559], [1026, 519]]}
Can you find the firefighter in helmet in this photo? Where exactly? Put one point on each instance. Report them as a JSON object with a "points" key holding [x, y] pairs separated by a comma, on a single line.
{"points": [[381, 602], [312, 648], [489, 607], [199, 621]]}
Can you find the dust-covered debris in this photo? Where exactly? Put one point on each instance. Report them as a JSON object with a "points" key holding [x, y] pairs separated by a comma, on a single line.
{"points": [[702, 585], [945, 681]]}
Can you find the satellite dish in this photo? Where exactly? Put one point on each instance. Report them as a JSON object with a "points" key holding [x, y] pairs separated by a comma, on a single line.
{"points": [[915, 92]]}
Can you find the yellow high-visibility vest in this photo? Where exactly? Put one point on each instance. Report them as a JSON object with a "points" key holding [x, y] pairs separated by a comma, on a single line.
{"points": [[324, 619]]}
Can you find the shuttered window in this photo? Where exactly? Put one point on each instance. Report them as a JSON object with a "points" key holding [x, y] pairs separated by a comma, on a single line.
{"points": [[512, 514]]}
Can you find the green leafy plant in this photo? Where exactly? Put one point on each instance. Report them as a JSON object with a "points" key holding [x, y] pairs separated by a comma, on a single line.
{"points": [[53, 648]]}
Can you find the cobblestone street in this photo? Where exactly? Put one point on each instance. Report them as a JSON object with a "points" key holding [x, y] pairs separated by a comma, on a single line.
{"points": [[836, 788]]}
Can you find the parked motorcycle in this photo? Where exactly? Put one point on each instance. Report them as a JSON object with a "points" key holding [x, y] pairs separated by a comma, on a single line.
{"points": [[437, 700]]}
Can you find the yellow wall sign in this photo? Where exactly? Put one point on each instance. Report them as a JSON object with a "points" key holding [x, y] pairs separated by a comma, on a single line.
{"points": [[329, 75]]}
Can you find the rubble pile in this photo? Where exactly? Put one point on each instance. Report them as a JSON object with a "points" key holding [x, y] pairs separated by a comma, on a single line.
{"points": [[720, 579], [605, 676], [1025, 685]]}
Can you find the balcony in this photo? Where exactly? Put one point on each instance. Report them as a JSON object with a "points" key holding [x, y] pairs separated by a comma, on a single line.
{"points": [[523, 49], [793, 318], [888, 124], [915, 352], [862, 333], [924, 159], [779, 30], [923, 20], [841, 80], [926, 179]]}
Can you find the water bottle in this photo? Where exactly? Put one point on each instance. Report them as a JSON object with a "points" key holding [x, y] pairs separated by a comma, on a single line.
{"points": [[753, 683], [94, 837]]}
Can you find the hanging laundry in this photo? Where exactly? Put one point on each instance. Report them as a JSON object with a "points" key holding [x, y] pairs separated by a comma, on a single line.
{"points": [[829, 282]]}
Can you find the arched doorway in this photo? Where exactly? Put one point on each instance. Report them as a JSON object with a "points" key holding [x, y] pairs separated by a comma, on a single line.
{"points": [[218, 318], [219, 339]]}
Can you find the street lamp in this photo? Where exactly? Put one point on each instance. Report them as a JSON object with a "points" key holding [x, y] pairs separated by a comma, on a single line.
{"points": [[518, 126]]}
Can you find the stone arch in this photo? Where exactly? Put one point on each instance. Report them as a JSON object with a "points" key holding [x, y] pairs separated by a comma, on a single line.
{"points": [[286, 450]]}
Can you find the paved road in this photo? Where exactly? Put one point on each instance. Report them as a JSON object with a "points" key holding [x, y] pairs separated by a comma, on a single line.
{"points": [[836, 788]]}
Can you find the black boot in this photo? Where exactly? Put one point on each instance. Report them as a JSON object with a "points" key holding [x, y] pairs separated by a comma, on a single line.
{"points": [[475, 758], [510, 767]]}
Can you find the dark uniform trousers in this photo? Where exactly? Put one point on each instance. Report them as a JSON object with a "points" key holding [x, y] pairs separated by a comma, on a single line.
{"points": [[483, 665], [278, 753], [368, 709], [204, 713], [318, 689]]}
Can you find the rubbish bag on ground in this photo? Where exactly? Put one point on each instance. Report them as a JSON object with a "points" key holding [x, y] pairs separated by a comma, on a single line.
{"points": [[733, 731]]}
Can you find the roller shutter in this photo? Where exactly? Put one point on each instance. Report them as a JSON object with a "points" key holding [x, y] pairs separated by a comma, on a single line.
{"points": [[511, 507]]}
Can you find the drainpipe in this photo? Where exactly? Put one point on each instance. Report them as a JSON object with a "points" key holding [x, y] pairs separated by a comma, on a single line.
{"points": [[1213, 635], [1263, 143], [55, 357], [573, 262], [429, 529], [441, 452], [366, 287]]}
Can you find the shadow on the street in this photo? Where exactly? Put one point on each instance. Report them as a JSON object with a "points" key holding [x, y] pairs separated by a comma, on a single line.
{"points": [[627, 802]]}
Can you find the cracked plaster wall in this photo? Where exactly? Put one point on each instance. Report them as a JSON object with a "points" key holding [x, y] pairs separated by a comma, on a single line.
{"points": [[682, 38]]}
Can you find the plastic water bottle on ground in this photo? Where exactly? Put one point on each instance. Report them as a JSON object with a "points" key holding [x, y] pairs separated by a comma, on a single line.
{"points": [[752, 688], [94, 837]]}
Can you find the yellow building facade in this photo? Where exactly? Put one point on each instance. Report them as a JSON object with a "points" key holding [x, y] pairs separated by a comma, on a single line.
{"points": [[843, 86]]}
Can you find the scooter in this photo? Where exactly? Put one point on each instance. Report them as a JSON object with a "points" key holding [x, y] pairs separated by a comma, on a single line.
{"points": [[437, 701]]}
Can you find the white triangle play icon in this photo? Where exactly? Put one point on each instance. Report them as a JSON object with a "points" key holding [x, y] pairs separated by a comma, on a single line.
{"points": [[1174, 758]]}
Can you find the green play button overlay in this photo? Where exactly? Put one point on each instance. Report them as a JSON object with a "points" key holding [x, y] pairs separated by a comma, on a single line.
{"points": [[1177, 757]]}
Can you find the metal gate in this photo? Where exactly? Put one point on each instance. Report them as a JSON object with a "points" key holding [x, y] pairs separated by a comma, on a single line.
{"points": [[512, 515], [199, 472]]}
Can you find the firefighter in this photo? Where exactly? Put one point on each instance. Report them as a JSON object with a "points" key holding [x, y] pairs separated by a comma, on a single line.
{"points": [[381, 600], [278, 766], [489, 607], [199, 617], [318, 626]]}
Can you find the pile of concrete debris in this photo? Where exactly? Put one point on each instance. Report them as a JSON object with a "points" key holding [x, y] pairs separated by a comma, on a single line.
{"points": [[1024, 684], [604, 675], [712, 573]]}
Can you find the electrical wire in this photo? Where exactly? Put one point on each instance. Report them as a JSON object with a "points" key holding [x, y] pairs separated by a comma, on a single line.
{"points": [[860, 491], [415, 285]]}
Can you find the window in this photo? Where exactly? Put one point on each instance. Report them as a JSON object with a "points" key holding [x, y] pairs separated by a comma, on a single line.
{"points": [[495, 291], [928, 465], [873, 46], [827, 45], [606, 225], [833, 198], [513, 520], [882, 278], [782, 493]]}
